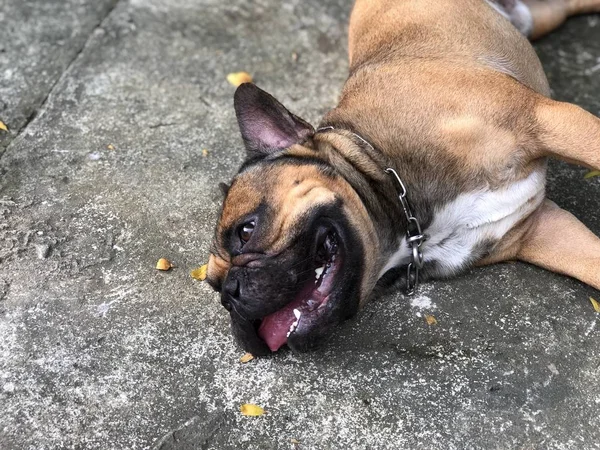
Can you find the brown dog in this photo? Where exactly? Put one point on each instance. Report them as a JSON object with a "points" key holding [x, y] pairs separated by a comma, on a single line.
{"points": [[433, 161]]}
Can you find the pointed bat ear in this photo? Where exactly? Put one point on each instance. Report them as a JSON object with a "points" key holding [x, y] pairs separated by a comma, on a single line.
{"points": [[265, 124]]}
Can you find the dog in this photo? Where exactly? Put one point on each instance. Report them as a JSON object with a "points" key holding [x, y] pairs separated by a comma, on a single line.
{"points": [[433, 161]]}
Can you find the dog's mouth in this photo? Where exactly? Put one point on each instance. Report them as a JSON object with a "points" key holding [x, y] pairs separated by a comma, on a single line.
{"points": [[311, 307]]}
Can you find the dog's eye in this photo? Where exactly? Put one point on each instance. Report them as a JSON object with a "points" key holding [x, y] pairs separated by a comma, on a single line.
{"points": [[246, 231]]}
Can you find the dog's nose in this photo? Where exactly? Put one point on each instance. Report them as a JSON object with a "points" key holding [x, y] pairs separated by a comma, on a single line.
{"points": [[232, 287], [231, 291]]}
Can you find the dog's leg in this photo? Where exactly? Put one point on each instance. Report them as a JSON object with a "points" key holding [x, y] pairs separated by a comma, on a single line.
{"points": [[548, 15], [551, 237], [556, 240], [568, 132]]}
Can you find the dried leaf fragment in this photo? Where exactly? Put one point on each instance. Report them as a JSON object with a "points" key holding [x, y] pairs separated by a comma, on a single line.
{"points": [[294, 441], [163, 264], [3, 127], [593, 173], [199, 273], [246, 358], [110, 147], [595, 304], [237, 78], [430, 320], [204, 152], [248, 409]]}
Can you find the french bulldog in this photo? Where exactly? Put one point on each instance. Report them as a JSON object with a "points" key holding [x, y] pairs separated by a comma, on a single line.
{"points": [[433, 161]]}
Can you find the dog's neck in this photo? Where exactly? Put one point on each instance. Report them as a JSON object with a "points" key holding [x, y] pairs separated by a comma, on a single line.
{"points": [[364, 167], [414, 234], [376, 158]]}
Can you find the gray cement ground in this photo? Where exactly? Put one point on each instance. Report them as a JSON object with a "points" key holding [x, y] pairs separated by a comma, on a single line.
{"points": [[99, 350]]}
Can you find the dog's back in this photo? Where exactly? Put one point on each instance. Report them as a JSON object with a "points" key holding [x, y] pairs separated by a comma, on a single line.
{"points": [[393, 31]]}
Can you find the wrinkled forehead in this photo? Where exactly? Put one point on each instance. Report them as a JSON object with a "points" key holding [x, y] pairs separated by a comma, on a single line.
{"points": [[286, 187]]}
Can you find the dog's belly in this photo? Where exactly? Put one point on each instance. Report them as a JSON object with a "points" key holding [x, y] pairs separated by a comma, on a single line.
{"points": [[464, 229]]}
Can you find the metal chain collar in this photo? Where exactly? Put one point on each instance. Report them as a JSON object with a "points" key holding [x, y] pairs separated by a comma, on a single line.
{"points": [[414, 239], [414, 235]]}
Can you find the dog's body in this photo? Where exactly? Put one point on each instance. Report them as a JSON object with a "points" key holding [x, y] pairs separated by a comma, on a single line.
{"points": [[450, 96], [452, 99]]}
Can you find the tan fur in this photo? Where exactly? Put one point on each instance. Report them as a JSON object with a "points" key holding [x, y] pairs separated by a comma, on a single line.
{"points": [[553, 238], [569, 133], [557, 241], [439, 84], [549, 14], [469, 32]]}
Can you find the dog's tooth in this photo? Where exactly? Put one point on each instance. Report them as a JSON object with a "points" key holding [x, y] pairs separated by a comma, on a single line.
{"points": [[319, 271], [297, 314], [292, 328]]}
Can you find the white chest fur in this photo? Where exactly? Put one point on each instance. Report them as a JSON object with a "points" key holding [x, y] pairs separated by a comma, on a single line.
{"points": [[472, 219]]}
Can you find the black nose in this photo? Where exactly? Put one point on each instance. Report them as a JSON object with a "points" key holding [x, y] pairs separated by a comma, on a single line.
{"points": [[232, 287], [231, 291]]}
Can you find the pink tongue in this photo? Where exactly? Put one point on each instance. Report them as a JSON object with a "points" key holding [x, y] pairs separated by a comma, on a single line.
{"points": [[275, 327]]}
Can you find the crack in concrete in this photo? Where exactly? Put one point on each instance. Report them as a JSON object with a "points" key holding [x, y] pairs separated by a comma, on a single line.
{"points": [[40, 107], [195, 433]]}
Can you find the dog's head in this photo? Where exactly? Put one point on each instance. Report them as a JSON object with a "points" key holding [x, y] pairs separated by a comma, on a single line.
{"points": [[289, 256]]}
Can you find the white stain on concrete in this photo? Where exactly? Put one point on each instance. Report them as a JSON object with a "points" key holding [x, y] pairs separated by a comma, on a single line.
{"points": [[590, 328], [104, 307], [422, 302]]}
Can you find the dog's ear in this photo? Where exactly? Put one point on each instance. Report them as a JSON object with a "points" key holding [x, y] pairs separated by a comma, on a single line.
{"points": [[265, 124]]}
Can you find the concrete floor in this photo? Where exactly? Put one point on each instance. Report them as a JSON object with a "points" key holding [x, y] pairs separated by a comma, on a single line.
{"points": [[99, 350]]}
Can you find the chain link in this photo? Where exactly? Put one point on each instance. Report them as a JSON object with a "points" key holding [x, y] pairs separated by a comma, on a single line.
{"points": [[414, 239]]}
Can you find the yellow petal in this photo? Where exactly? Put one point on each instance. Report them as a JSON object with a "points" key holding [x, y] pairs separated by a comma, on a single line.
{"points": [[199, 273], [238, 78], [163, 264], [246, 358], [3, 127], [593, 173], [249, 409], [110, 147], [595, 304], [204, 152], [430, 320]]}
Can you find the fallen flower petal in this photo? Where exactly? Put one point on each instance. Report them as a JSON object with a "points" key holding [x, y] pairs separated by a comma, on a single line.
{"points": [[199, 273], [238, 78], [430, 320], [249, 409], [246, 358], [163, 264]]}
